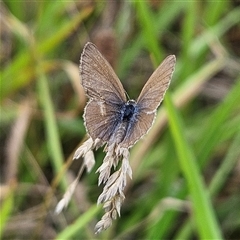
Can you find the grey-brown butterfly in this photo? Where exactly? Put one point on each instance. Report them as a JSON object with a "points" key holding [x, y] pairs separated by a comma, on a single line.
{"points": [[108, 115]]}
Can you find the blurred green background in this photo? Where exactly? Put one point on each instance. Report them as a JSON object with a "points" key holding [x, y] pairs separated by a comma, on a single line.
{"points": [[186, 171]]}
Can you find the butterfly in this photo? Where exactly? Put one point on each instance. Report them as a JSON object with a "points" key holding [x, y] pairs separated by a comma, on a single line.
{"points": [[109, 116]]}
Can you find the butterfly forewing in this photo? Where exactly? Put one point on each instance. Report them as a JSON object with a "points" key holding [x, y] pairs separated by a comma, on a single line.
{"points": [[153, 92], [98, 78]]}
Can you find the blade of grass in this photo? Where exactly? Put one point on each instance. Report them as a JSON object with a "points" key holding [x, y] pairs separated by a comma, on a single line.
{"points": [[188, 32], [232, 157], [218, 180], [79, 224], [53, 138], [7, 206], [217, 9], [163, 19], [212, 12], [202, 42], [206, 222], [146, 23], [211, 134], [229, 105]]}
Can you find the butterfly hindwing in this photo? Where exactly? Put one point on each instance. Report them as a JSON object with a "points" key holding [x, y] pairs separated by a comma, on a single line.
{"points": [[101, 119], [138, 128]]}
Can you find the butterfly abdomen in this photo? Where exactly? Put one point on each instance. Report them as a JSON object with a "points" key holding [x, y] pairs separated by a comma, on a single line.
{"points": [[127, 115], [120, 132]]}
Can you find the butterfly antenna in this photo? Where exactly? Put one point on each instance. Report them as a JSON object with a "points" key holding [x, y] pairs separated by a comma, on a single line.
{"points": [[127, 94]]}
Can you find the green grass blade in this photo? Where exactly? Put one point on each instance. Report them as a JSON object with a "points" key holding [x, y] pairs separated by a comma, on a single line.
{"points": [[7, 206], [211, 134], [217, 9], [205, 219], [218, 180], [52, 133], [80, 223], [202, 42], [232, 157], [146, 22], [189, 25]]}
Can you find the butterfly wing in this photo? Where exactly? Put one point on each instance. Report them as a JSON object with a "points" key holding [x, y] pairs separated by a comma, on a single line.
{"points": [[105, 92], [98, 78], [149, 99], [101, 119], [138, 129], [153, 92]]}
